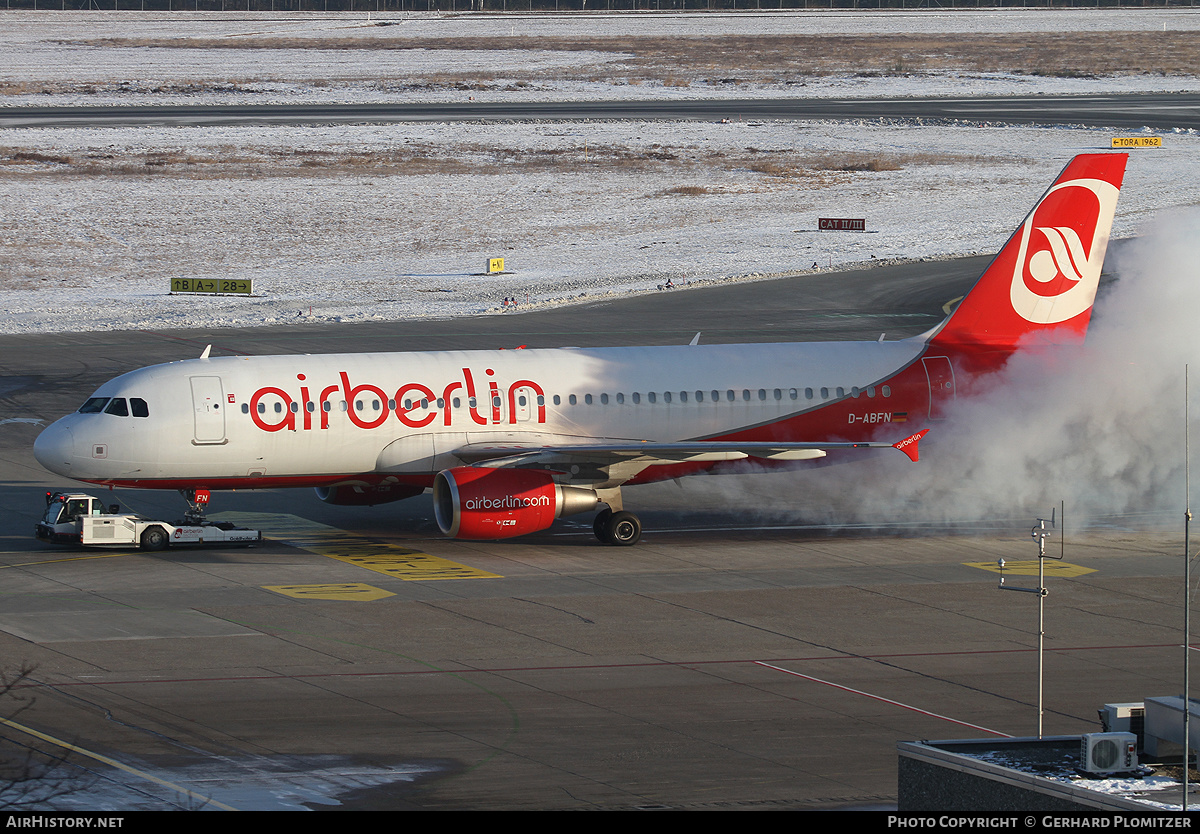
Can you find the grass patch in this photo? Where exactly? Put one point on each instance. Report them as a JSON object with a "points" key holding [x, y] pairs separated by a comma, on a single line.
{"points": [[671, 60], [684, 191], [425, 159]]}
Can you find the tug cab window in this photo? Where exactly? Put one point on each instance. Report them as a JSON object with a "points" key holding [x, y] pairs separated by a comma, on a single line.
{"points": [[67, 511]]}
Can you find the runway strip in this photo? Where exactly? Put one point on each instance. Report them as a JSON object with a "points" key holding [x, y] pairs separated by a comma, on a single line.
{"points": [[1162, 110]]}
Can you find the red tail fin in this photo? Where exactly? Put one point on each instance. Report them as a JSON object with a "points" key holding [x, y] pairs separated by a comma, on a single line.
{"points": [[1041, 286]]}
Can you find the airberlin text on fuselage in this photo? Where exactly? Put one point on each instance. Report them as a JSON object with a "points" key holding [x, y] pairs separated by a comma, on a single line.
{"points": [[415, 405]]}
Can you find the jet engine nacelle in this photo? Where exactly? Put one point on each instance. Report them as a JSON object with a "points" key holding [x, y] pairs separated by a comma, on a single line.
{"points": [[351, 495], [477, 502]]}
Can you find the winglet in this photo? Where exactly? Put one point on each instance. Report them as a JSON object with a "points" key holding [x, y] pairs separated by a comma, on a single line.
{"points": [[909, 444]]}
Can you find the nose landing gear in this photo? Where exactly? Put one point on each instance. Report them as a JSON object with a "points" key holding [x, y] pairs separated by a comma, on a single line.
{"points": [[197, 500]]}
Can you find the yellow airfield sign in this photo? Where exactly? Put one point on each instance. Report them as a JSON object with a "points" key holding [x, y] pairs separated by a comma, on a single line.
{"points": [[1137, 142], [217, 286]]}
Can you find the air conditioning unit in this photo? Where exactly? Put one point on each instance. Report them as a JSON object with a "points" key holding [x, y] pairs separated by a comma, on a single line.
{"points": [[1123, 718], [1103, 753]]}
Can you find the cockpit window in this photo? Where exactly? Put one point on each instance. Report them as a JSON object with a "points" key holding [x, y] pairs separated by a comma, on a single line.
{"points": [[118, 406], [138, 406], [94, 405]]}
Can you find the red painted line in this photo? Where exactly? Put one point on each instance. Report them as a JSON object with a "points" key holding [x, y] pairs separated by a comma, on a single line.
{"points": [[584, 667], [884, 700]]}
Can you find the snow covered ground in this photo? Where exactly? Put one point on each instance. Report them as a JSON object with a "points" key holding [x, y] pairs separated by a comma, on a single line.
{"points": [[66, 58], [352, 223]]}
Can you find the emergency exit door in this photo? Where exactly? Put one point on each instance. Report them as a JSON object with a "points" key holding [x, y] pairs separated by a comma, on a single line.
{"points": [[940, 374]]}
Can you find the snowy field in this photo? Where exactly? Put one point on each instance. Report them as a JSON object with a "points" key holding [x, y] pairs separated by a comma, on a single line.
{"points": [[65, 58], [346, 223]]}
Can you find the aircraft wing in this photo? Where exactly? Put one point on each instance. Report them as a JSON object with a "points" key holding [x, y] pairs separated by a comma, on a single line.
{"points": [[584, 459]]}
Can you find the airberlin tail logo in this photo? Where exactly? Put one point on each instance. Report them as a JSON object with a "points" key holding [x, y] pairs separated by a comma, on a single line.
{"points": [[1062, 249]]}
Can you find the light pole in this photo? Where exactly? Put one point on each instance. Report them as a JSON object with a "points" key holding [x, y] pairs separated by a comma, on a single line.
{"points": [[1040, 534]]}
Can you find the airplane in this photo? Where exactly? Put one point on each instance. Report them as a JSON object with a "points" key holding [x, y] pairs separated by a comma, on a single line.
{"points": [[511, 440]]}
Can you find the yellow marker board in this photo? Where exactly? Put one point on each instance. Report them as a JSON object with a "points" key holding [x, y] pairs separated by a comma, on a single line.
{"points": [[1137, 142], [212, 285], [381, 557], [495, 265], [1029, 567]]}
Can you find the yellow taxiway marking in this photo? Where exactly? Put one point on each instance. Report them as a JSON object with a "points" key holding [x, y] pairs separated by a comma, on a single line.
{"points": [[1029, 567], [354, 591], [64, 559], [381, 557]]}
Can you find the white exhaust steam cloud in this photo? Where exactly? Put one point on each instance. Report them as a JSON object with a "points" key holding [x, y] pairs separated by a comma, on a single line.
{"points": [[1100, 428]]}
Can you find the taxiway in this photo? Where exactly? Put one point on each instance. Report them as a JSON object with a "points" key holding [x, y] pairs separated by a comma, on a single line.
{"points": [[724, 662]]}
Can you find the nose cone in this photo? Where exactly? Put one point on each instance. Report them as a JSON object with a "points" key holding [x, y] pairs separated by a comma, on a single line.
{"points": [[55, 447]]}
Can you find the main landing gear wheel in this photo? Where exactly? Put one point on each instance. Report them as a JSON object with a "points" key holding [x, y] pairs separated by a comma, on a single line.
{"points": [[600, 524], [621, 528]]}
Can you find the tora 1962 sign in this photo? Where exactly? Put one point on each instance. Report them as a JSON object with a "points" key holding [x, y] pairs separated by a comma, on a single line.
{"points": [[211, 285]]}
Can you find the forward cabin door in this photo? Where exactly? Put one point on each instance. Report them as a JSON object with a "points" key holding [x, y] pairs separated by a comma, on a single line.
{"points": [[208, 409]]}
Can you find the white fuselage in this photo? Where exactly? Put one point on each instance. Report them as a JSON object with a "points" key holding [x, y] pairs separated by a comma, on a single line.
{"points": [[319, 419]]}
